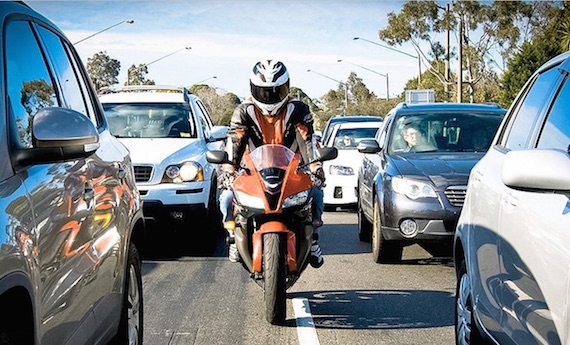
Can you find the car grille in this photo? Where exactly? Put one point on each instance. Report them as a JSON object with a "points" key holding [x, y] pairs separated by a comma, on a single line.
{"points": [[142, 173], [456, 195]]}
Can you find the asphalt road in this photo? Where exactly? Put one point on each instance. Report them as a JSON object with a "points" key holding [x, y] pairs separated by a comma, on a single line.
{"points": [[199, 297]]}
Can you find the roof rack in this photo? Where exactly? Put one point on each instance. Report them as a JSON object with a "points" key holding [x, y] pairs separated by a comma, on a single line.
{"points": [[144, 88], [493, 104]]}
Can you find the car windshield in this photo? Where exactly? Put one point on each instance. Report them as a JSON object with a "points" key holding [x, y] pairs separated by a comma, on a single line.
{"points": [[348, 138], [453, 132], [149, 120]]}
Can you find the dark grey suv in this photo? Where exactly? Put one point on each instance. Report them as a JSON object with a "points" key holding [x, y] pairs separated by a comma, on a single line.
{"points": [[413, 178], [71, 215]]}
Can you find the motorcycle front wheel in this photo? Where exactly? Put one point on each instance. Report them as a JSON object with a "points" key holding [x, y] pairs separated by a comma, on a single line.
{"points": [[274, 276]]}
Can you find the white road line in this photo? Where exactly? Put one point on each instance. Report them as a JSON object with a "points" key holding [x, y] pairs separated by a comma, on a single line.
{"points": [[305, 325]]}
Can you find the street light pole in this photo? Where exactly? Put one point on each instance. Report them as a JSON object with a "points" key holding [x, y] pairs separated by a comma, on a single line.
{"points": [[201, 81], [107, 28], [401, 52], [150, 63], [338, 81], [368, 69], [167, 55]]}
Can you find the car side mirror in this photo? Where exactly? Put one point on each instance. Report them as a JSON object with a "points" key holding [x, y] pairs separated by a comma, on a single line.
{"points": [[59, 134], [368, 146], [521, 171], [217, 157]]}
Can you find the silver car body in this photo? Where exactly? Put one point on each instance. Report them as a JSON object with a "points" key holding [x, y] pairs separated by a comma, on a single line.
{"points": [[70, 207], [513, 233]]}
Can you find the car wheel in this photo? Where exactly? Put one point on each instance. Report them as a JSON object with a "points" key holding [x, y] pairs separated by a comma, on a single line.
{"points": [[466, 331], [383, 251], [364, 226], [131, 324]]}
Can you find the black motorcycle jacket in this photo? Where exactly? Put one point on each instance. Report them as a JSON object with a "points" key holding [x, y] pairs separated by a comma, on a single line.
{"points": [[292, 127]]}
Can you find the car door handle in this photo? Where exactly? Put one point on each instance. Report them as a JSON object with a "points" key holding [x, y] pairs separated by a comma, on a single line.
{"points": [[477, 175], [511, 200], [88, 192], [121, 171]]}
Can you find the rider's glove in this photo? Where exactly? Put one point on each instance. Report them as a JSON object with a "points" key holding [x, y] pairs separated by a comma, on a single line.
{"points": [[318, 176], [227, 176]]}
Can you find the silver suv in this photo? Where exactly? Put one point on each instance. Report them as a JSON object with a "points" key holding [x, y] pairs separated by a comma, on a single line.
{"points": [[512, 244], [71, 216]]}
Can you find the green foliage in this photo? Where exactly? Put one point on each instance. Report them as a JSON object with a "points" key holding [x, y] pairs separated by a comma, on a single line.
{"points": [[547, 43], [103, 70], [136, 75], [220, 107], [532, 55]]}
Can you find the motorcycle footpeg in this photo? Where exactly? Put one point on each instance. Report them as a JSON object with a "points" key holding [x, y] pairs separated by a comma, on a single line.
{"points": [[230, 240]]}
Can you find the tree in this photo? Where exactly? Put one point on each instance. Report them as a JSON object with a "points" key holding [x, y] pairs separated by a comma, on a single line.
{"points": [[220, 107], [136, 75], [103, 70], [488, 28], [548, 41]]}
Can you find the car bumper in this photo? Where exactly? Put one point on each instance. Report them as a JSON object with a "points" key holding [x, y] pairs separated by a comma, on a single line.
{"points": [[435, 219], [175, 201], [340, 190]]}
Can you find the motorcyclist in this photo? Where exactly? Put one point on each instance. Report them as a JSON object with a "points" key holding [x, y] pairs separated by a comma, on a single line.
{"points": [[270, 116]]}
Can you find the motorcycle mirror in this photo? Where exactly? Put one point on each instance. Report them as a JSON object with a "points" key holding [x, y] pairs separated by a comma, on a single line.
{"points": [[327, 153]]}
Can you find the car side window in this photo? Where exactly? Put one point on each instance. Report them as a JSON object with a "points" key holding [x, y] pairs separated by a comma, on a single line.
{"points": [[531, 109], [75, 90], [381, 134], [206, 113], [205, 126], [556, 132], [29, 84]]}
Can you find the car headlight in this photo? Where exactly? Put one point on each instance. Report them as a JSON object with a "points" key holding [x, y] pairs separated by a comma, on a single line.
{"points": [[340, 170], [296, 199], [412, 189], [249, 201], [185, 172]]}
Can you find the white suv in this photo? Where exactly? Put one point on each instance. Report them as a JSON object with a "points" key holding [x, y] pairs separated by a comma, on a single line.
{"points": [[512, 244], [168, 131]]}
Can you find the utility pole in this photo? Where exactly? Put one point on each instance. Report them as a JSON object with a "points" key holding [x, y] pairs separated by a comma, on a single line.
{"points": [[460, 62], [447, 74]]}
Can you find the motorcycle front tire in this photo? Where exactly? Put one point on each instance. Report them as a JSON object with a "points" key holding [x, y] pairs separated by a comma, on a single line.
{"points": [[275, 276]]}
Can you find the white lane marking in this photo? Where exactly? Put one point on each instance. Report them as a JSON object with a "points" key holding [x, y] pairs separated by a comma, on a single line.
{"points": [[305, 325]]}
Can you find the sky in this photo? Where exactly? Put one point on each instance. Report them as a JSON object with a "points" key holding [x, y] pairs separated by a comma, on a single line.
{"points": [[228, 37]]}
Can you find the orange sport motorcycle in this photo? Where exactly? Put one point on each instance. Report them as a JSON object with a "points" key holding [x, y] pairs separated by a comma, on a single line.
{"points": [[273, 233]]}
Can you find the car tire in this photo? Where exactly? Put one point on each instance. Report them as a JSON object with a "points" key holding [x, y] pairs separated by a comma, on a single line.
{"points": [[383, 251], [131, 323], [466, 331], [364, 226]]}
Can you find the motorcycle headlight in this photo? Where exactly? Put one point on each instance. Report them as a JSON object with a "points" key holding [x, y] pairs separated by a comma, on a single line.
{"points": [[185, 172], [249, 201], [413, 189], [340, 170], [296, 199]]}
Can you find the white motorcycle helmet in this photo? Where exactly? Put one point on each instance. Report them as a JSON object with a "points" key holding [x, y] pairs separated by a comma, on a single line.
{"points": [[269, 82]]}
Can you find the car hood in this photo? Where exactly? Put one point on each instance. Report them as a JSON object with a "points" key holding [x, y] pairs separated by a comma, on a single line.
{"points": [[350, 158], [158, 150], [441, 169]]}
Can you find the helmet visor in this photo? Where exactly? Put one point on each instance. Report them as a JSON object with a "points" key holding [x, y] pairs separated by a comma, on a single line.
{"points": [[270, 94]]}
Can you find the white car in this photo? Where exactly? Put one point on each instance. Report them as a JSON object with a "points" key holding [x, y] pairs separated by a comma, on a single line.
{"points": [[342, 173], [167, 131]]}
